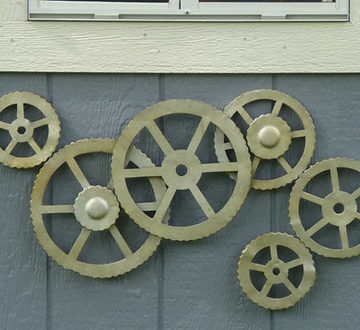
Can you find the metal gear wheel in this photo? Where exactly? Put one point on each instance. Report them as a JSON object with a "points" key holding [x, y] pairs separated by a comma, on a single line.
{"points": [[269, 136], [276, 271], [339, 208], [96, 208], [186, 158], [21, 130]]}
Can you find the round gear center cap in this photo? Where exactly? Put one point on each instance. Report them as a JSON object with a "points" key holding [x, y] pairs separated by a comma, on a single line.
{"points": [[97, 207], [269, 136]]}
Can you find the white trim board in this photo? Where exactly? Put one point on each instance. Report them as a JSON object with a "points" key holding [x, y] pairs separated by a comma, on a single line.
{"points": [[181, 47]]}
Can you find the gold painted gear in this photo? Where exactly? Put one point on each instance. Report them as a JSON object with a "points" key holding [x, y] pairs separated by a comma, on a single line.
{"points": [[93, 204], [21, 129], [328, 204], [276, 270], [269, 136], [174, 158]]}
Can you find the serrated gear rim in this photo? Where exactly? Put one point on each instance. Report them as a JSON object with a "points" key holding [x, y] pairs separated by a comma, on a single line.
{"points": [[309, 274], [54, 130], [209, 226], [305, 118], [294, 201], [92, 270]]}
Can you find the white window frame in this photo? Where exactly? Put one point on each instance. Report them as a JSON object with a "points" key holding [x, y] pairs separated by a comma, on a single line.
{"points": [[187, 10]]}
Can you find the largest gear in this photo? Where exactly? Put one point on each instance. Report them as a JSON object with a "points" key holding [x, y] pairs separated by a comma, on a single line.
{"points": [[186, 159], [96, 209]]}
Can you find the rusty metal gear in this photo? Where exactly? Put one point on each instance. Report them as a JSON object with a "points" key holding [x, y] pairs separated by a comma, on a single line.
{"points": [[187, 158], [96, 208], [269, 136], [276, 271], [21, 129], [339, 218]]}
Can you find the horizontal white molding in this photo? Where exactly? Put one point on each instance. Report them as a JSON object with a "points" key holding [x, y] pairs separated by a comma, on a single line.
{"points": [[178, 47]]}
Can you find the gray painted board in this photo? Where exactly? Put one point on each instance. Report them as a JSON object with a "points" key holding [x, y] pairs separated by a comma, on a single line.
{"points": [[185, 285]]}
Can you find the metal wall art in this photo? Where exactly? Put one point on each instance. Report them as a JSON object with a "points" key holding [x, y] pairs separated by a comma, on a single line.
{"points": [[21, 129], [269, 136], [338, 208], [275, 270], [186, 158], [96, 208]]}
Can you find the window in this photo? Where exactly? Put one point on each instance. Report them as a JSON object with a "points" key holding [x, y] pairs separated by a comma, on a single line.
{"points": [[190, 10]]}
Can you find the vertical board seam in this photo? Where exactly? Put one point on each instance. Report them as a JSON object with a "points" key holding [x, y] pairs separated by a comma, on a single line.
{"points": [[160, 268], [49, 96]]}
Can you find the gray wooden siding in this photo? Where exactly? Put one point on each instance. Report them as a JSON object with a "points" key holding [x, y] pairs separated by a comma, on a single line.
{"points": [[191, 285]]}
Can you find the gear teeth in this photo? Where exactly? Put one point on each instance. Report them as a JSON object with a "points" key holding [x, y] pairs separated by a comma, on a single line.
{"points": [[294, 199], [53, 134], [310, 272], [110, 270], [122, 144], [262, 94]]}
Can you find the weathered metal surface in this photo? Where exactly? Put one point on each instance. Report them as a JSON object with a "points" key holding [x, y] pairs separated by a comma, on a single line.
{"points": [[276, 270], [269, 136], [339, 209], [21, 130], [174, 162]]}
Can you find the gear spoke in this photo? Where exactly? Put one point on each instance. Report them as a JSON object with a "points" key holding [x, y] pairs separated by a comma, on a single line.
{"points": [[312, 198], [78, 173], [4, 125], [148, 206], [285, 165], [356, 193], [334, 179], [57, 208], [257, 267], [228, 146], [273, 252], [79, 243], [142, 172], [244, 115], [124, 247], [344, 237], [294, 263], [199, 134], [10, 146], [276, 109], [34, 146], [298, 134], [266, 288], [159, 137], [202, 201], [164, 205], [289, 285], [20, 110], [40, 122], [220, 167], [316, 227]]}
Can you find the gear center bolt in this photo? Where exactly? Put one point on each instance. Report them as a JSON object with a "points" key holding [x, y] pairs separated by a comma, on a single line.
{"points": [[269, 136], [97, 207]]}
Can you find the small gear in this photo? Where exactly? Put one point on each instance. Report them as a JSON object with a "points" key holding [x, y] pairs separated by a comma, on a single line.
{"points": [[186, 159], [21, 129], [276, 271], [339, 208], [96, 208], [269, 136]]}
